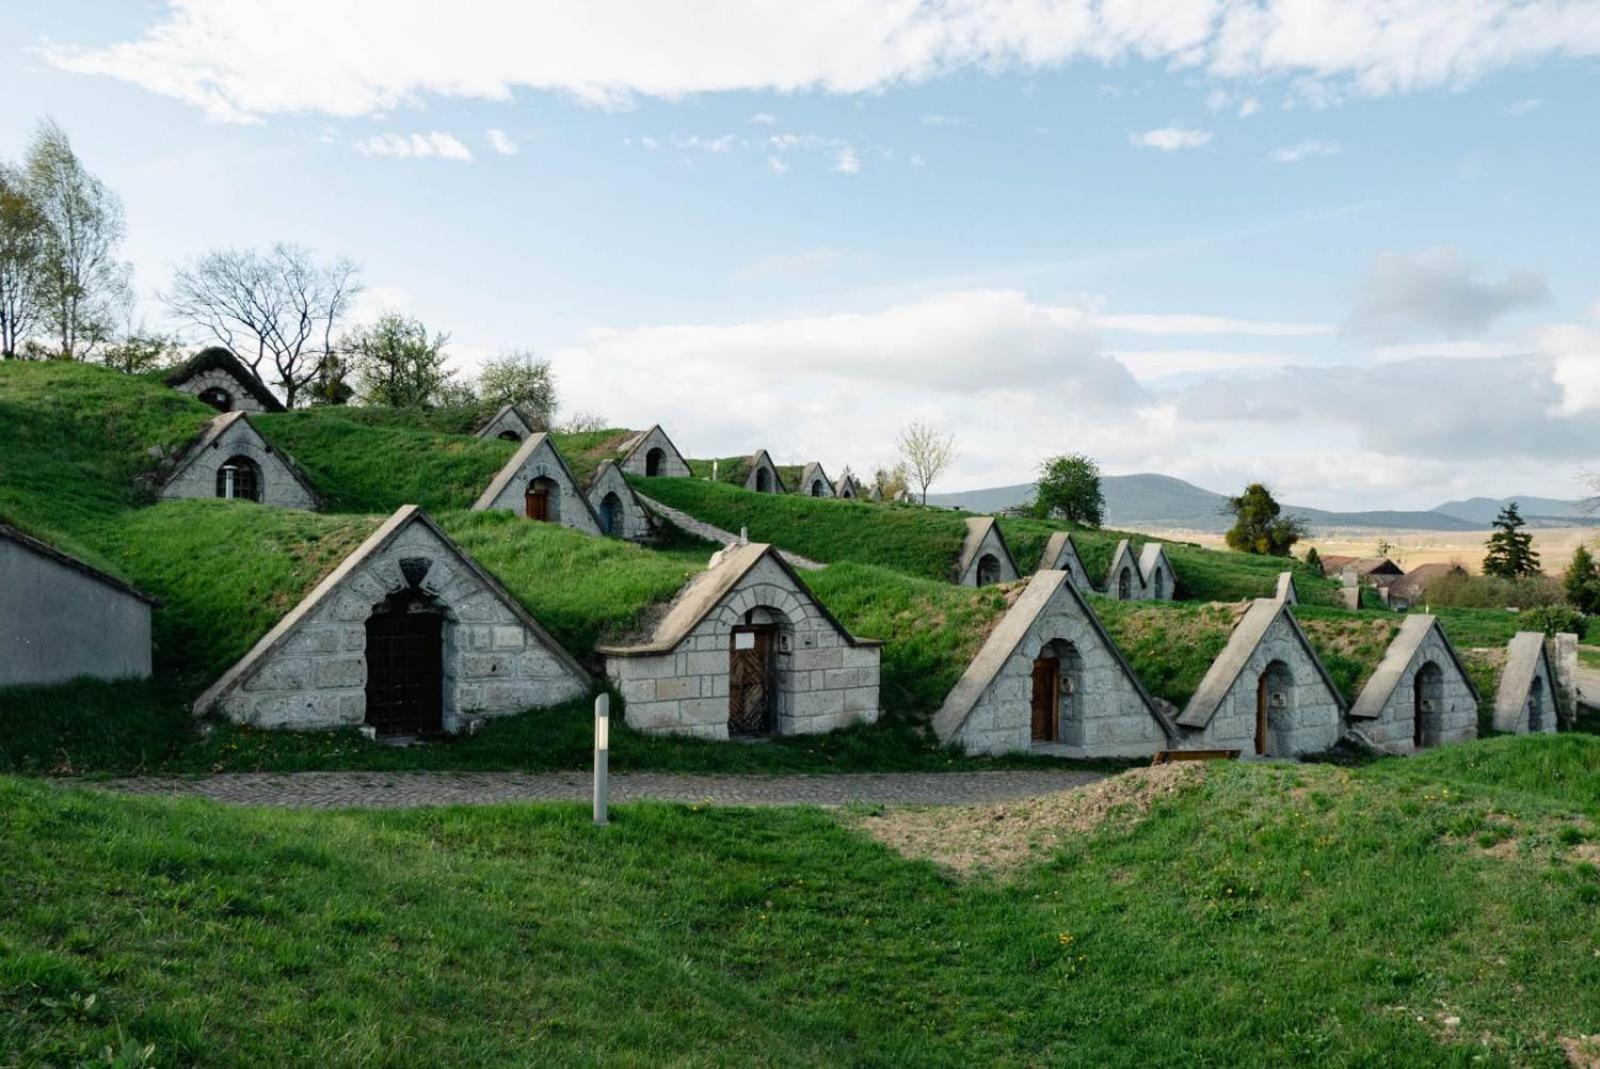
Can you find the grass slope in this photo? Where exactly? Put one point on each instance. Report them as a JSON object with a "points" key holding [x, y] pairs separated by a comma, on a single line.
{"points": [[1274, 915]]}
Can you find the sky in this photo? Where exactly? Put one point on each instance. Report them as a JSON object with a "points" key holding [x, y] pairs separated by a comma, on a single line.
{"points": [[1348, 247]]}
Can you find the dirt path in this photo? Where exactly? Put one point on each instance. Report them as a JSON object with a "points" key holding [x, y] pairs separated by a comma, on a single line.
{"points": [[400, 790]]}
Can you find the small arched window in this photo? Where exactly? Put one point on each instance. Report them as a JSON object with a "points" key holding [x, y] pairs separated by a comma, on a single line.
{"points": [[763, 481], [217, 398], [239, 479], [509, 436]]}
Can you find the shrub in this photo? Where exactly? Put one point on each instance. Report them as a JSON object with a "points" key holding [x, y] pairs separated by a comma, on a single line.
{"points": [[1465, 591], [1552, 620]]}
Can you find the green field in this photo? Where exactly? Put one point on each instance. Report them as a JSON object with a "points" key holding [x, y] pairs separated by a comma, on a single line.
{"points": [[1271, 915]]}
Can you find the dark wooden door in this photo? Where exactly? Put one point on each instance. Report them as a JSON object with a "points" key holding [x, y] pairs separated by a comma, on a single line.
{"points": [[750, 681], [1046, 698], [405, 670], [537, 502], [1262, 700]]}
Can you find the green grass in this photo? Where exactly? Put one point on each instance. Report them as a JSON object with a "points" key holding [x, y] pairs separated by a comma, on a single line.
{"points": [[1169, 644], [1274, 916], [585, 451], [1589, 656], [1562, 769]]}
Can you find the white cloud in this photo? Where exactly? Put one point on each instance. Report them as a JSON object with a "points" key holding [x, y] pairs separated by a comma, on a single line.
{"points": [[501, 143], [847, 162], [1303, 149], [785, 142], [415, 146], [764, 118], [916, 159], [1522, 107], [944, 120], [1437, 292], [1248, 107], [240, 60], [1576, 352], [777, 164], [649, 142], [706, 144], [1453, 350], [1148, 364], [1170, 324], [1170, 138]]}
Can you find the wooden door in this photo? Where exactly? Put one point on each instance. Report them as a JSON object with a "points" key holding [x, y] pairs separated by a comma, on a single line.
{"points": [[750, 681], [537, 502], [1046, 698], [405, 670], [1262, 702]]}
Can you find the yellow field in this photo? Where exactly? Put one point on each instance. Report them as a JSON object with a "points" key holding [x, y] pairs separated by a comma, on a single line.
{"points": [[1555, 545]]}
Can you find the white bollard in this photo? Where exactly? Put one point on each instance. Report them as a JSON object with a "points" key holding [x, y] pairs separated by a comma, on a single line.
{"points": [[602, 757]]}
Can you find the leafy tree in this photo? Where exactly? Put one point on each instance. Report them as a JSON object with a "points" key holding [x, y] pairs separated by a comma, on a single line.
{"points": [[1069, 487], [1583, 582], [280, 306], [926, 453], [584, 423], [1314, 561], [22, 244], [891, 482], [332, 384], [522, 378], [142, 350], [84, 288], [397, 362], [1510, 549], [1259, 527]]}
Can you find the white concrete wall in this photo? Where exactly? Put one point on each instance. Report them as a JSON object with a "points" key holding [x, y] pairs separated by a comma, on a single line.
{"points": [[198, 479], [823, 682], [57, 623], [1310, 724], [493, 664]]}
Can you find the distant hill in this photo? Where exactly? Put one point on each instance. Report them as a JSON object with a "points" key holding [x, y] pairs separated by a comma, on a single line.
{"points": [[1161, 501]]}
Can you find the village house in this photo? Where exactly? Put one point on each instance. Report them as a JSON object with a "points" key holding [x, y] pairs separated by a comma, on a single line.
{"points": [[408, 636], [1526, 700], [537, 484], [847, 487], [1420, 695], [761, 475], [985, 559], [233, 461], [651, 454], [745, 650], [1267, 694], [221, 380], [814, 482], [507, 424], [1061, 554], [1147, 577], [61, 619], [1049, 679], [618, 509]]}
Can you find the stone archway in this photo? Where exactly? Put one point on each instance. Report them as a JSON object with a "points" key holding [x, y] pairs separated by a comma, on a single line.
{"points": [[818, 488], [217, 398], [509, 436], [405, 665], [1057, 714], [653, 461], [610, 514], [1160, 582], [1536, 704], [755, 681], [1125, 584], [988, 572], [1274, 710], [542, 500], [1427, 706], [763, 480]]}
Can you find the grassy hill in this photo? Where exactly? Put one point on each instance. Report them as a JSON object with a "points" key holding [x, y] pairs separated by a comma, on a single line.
{"points": [[1264, 915]]}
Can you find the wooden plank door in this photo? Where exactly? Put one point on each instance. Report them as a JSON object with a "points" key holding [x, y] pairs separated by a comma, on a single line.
{"points": [[1262, 701], [750, 681], [537, 502], [1046, 698]]}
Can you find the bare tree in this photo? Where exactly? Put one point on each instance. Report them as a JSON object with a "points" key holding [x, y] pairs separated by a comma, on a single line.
{"points": [[22, 237], [280, 306], [85, 287], [927, 452]]}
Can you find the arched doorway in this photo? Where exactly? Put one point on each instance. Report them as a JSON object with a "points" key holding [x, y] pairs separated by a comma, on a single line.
{"points": [[988, 569], [753, 678], [239, 479], [818, 488], [653, 460], [1057, 691], [1274, 710], [1427, 706], [1160, 581], [1536, 702], [763, 481], [542, 500], [847, 492], [509, 436], [1124, 584], [610, 514], [405, 665], [217, 398]]}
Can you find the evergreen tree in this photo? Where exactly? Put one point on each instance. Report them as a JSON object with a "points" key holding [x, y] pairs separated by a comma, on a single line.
{"points": [[1583, 582], [1258, 526], [1314, 561], [1510, 549]]}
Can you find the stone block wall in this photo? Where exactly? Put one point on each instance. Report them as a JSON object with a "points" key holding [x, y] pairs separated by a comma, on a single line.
{"points": [[58, 623], [197, 478], [823, 682], [1310, 723], [505, 420], [493, 664], [991, 545], [1114, 718], [633, 522], [243, 399], [1394, 730], [672, 465], [572, 509]]}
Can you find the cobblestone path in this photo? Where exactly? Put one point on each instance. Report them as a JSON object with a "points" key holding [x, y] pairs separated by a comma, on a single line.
{"points": [[715, 534], [399, 790]]}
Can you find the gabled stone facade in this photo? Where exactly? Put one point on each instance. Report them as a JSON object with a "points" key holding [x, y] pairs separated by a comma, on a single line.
{"points": [[747, 607], [313, 670], [221, 380], [618, 509], [651, 454], [1159, 581], [1050, 678], [1419, 696], [508, 424], [847, 488], [814, 482], [61, 619], [985, 558], [537, 483], [1286, 589], [231, 459], [1123, 581], [1267, 694], [762, 476], [1145, 577], [1061, 554], [1526, 700]]}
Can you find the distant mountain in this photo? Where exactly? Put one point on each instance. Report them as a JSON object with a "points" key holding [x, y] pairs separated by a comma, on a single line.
{"points": [[1483, 510], [1161, 501]]}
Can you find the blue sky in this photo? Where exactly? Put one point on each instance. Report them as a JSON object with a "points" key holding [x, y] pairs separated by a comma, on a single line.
{"points": [[1347, 248]]}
